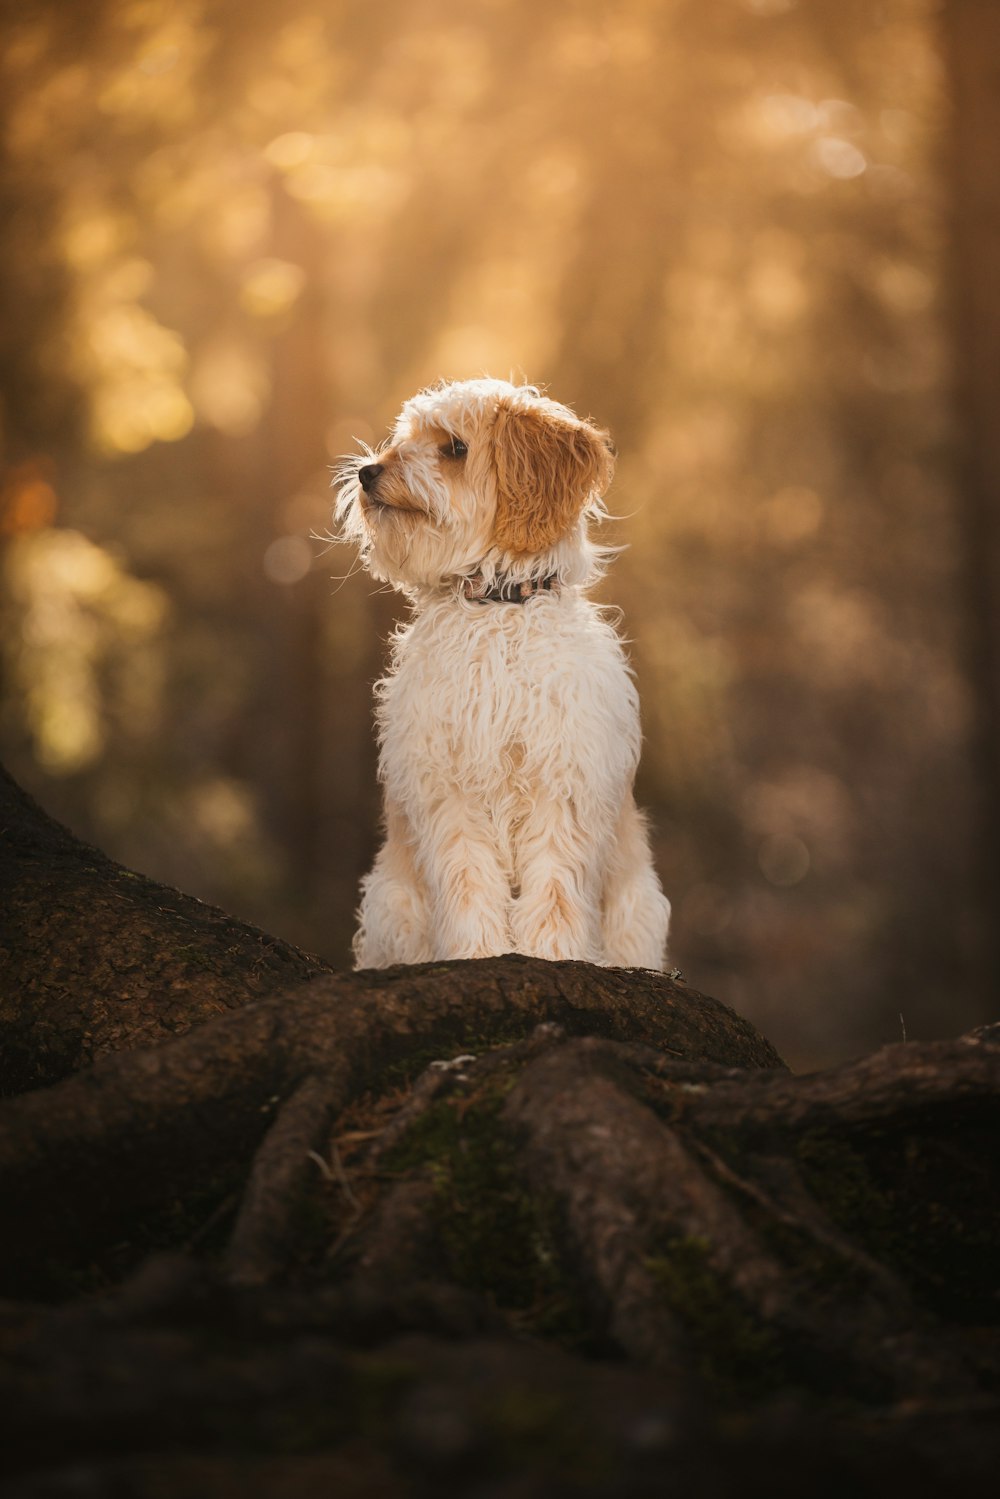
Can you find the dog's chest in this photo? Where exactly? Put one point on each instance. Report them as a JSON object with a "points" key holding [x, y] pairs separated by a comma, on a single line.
{"points": [[477, 676], [504, 693]]}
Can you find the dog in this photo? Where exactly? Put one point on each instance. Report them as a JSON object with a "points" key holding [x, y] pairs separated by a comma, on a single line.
{"points": [[508, 720]]}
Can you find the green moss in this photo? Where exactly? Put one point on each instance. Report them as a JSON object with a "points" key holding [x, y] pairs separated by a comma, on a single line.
{"points": [[831, 1275], [499, 1238], [923, 1201], [839, 1177], [735, 1352], [466, 1043]]}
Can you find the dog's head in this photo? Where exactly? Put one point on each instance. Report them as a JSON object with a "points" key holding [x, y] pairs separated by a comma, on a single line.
{"points": [[478, 475]]}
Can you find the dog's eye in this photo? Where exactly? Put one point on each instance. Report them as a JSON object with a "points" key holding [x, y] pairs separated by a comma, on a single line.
{"points": [[455, 448]]}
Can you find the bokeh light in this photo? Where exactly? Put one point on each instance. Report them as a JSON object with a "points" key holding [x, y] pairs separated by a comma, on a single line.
{"points": [[235, 238]]}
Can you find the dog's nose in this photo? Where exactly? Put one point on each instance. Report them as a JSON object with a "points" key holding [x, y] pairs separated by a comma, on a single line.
{"points": [[368, 475]]}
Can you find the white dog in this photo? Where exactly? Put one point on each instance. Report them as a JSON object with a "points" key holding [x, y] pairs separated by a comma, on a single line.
{"points": [[508, 720]]}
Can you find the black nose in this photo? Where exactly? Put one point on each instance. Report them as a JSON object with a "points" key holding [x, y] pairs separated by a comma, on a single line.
{"points": [[368, 475]]}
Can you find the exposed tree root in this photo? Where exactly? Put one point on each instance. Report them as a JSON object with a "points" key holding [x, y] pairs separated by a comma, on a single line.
{"points": [[121, 1133], [502, 1228], [96, 959], [278, 1176]]}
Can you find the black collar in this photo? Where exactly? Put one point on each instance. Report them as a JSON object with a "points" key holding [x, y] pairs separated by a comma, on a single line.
{"points": [[506, 590]]}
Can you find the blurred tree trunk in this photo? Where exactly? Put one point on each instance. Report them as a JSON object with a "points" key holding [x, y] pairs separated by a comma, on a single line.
{"points": [[325, 799], [972, 45]]}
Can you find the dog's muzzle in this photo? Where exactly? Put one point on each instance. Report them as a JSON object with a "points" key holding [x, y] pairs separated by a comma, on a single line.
{"points": [[368, 476]]}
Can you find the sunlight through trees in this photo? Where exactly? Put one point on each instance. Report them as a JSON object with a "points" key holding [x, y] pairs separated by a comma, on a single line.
{"points": [[234, 237]]}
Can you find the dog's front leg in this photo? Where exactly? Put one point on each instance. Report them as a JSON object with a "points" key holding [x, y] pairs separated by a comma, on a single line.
{"points": [[557, 913], [468, 882], [394, 919], [636, 911]]}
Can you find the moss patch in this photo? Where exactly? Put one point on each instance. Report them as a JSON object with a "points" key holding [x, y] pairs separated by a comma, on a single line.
{"points": [[407, 1069], [924, 1200], [499, 1238], [735, 1352]]}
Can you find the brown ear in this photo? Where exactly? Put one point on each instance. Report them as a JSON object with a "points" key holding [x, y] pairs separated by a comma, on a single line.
{"points": [[547, 467]]}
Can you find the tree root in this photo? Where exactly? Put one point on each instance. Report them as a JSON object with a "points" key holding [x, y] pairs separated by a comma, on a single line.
{"points": [[258, 1249], [730, 1233], [505, 1227], [182, 1121]]}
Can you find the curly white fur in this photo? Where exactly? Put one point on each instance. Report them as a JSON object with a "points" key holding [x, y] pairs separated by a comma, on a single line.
{"points": [[509, 733]]}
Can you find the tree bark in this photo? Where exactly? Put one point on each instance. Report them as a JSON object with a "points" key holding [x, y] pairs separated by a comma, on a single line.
{"points": [[96, 959], [971, 36], [502, 1227]]}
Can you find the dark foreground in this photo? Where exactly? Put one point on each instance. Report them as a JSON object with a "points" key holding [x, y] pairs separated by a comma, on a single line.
{"points": [[500, 1229]]}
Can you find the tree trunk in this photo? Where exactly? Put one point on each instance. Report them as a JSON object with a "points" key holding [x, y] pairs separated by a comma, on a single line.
{"points": [[502, 1227], [971, 32], [96, 959]]}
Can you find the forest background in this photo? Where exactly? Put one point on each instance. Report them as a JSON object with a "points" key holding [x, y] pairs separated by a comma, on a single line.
{"points": [[753, 237]]}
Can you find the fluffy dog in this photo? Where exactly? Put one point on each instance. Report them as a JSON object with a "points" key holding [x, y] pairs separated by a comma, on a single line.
{"points": [[508, 720]]}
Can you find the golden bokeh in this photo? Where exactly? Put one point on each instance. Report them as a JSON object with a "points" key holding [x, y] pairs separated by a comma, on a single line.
{"points": [[237, 238]]}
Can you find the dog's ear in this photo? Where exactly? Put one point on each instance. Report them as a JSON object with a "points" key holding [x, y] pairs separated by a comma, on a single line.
{"points": [[548, 465]]}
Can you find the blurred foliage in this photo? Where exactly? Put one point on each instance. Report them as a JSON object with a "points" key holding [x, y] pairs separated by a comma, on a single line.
{"points": [[235, 236]]}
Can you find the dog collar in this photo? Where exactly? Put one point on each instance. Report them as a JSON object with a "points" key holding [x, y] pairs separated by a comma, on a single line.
{"points": [[506, 590]]}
